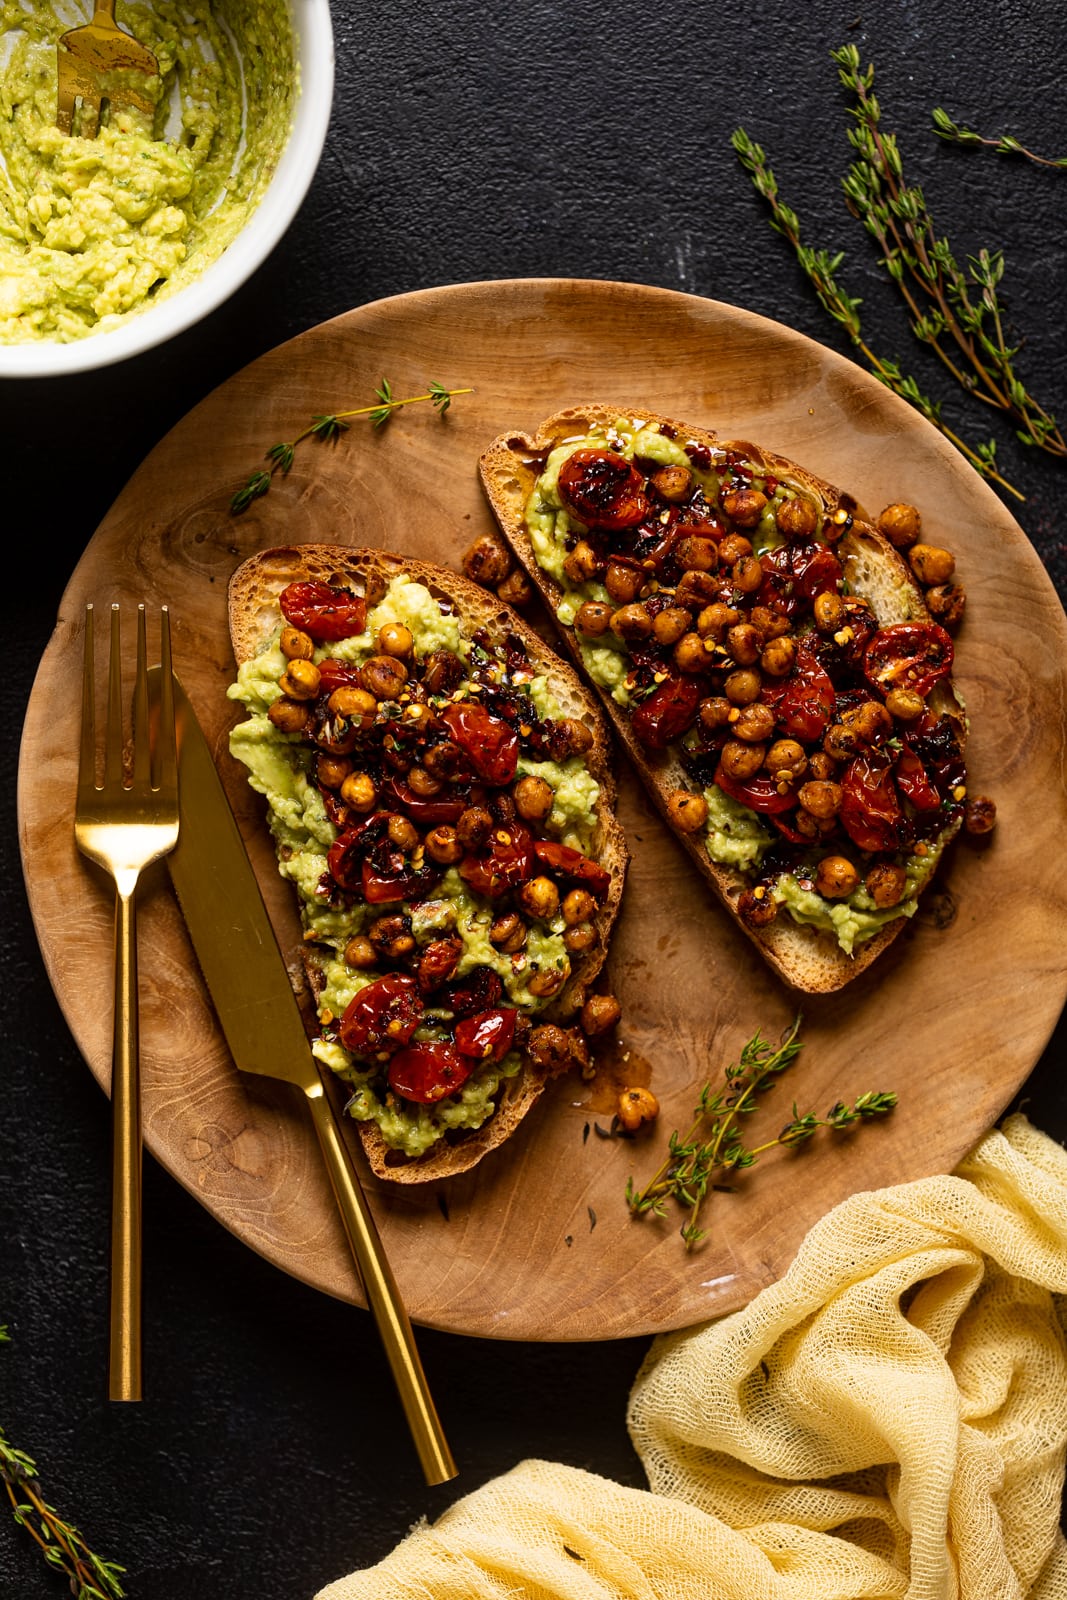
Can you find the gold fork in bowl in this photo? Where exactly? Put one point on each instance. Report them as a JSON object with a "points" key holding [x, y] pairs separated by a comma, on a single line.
{"points": [[100, 62], [123, 828]]}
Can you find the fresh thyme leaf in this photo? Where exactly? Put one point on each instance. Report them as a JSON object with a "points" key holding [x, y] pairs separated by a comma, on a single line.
{"points": [[329, 426], [1004, 144]]}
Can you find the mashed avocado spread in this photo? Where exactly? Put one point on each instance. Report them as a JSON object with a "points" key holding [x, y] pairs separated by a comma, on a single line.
{"points": [[94, 230], [281, 767]]}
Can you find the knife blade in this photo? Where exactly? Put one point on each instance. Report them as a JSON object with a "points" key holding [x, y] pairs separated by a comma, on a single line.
{"points": [[258, 1012]]}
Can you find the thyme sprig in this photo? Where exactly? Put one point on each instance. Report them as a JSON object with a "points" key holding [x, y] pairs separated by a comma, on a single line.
{"points": [[1004, 144], [63, 1548], [714, 1145], [330, 426], [821, 268], [947, 307]]}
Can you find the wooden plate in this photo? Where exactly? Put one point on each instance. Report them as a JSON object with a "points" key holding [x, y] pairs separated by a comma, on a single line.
{"points": [[537, 1242]]}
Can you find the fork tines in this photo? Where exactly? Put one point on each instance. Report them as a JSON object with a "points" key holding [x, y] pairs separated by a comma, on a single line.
{"points": [[154, 762]]}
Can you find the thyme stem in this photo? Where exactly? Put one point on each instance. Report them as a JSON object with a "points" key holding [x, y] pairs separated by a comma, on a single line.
{"points": [[1004, 144]]}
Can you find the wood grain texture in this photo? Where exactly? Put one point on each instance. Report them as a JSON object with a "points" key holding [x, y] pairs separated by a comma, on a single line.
{"points": [[537, 1242]]}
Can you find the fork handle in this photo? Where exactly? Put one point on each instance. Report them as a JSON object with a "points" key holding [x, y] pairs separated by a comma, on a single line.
{"points": [[104, 11], [124, 1368]]}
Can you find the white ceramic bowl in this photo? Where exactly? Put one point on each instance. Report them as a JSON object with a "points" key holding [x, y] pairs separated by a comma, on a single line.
{"points": [[296, 167]]}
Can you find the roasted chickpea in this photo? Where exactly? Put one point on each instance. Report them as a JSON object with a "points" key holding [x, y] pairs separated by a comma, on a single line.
{"points": [[474, 827], [744, 506], [384, 677], [900, 524], [734, 548], [885, 883], [418, 715], [592, 618], [980, 815], [786, 758], [623, 582], [631, 622], [714, 712], [742, 687], [796, 519], [835, 877], [486, 562], [946, 603], [445, 761], [754, 723], [757, 908], [547, 982], [402, 832], [539, 898], [770, 624], [549, 1047], [442, 672], [358, 792], [821, 766], [672, 483], [583, 936], [600, 1012], [443, 845], [812, 827], [905, 704], [300, 680], [688, 812], [741, 760], [696, 554], [820, 798], [534, 799], [395, 640], [438, 962], [516, 589], [931, 564], [869, 721], [578, 906], [696, 590], [355, 705], [359, 953], [828, 609], [582, 563], [669, 625], [289, 716], [391, 936], [841, 742], [508, 933], [690, 653], [777, 656], [569, 737], [331, 771], [635, 1107], [744, 644], [423, 783], [714, 620], [296, 645]]}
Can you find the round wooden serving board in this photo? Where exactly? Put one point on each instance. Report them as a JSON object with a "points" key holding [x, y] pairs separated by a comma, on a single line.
{"points": [[537, 1242]]}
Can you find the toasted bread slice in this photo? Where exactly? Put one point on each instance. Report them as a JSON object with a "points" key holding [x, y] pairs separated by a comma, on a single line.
{"points": [[255, 618], [807, 958]]}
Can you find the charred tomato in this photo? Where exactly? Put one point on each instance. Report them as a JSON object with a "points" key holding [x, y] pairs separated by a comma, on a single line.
{"points": [[428, 1072], [383, 1015], [487, 1036], [908, 655], [322, 610], [604, 489]]}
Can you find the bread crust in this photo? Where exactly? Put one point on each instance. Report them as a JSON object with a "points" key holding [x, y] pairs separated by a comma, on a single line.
{"points": [[254, 616], [806, 958]]}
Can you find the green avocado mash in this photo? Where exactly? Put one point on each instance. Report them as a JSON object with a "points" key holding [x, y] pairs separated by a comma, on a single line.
{"points": [[279, 768], [95, 230]]}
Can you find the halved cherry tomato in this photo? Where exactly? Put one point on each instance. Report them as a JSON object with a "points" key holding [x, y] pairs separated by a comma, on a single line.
{"points": [[794, 573], [908, 655], [323, 611], [667, 713], [487, 1037], [446, 807], [478, 991], [870, 810], [334, 674], [489, 743], [604, 489], [344, 860], [504, 863], [388, 875], [571, 863], [427, 1073], [385, 1013], [804, 702], [759, 793], [913, 782]]}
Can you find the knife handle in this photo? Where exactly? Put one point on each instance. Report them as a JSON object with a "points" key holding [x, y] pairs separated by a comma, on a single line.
{"points": [[383, 1296]]}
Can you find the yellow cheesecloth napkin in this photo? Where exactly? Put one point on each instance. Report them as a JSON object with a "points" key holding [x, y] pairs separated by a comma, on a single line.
{"points": [[888, 1420]]}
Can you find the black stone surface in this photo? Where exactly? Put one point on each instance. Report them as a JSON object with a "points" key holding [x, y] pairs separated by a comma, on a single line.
{"points": [[467, 142]]}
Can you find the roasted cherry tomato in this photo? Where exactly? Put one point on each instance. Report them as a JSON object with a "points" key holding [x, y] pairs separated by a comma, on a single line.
{"points": [[445, 807], [344, 860], [795, 573], [913, 782], [604, 489], [323, 611], [759, 793], [870, 810], [573, 864], [908, 655], [490, 744], [385, 1013], [388, 875], [487, 1037], [428, 1072], [478, 991], [334, 674], [803, 703], [504, 863], [667, 713]]}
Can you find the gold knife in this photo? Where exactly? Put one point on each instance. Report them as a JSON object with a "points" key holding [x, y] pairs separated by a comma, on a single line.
{"points": [[260, 1018]]}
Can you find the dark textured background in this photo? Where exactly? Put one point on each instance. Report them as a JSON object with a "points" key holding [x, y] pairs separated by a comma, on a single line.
{"points": [[467, 142]]}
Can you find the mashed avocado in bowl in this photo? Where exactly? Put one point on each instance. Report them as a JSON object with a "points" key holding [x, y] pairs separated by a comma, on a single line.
{"points": [[110, 244]]}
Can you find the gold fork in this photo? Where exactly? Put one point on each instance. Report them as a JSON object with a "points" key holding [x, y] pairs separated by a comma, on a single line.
{"points": [[123, 827], [100, 62]]}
